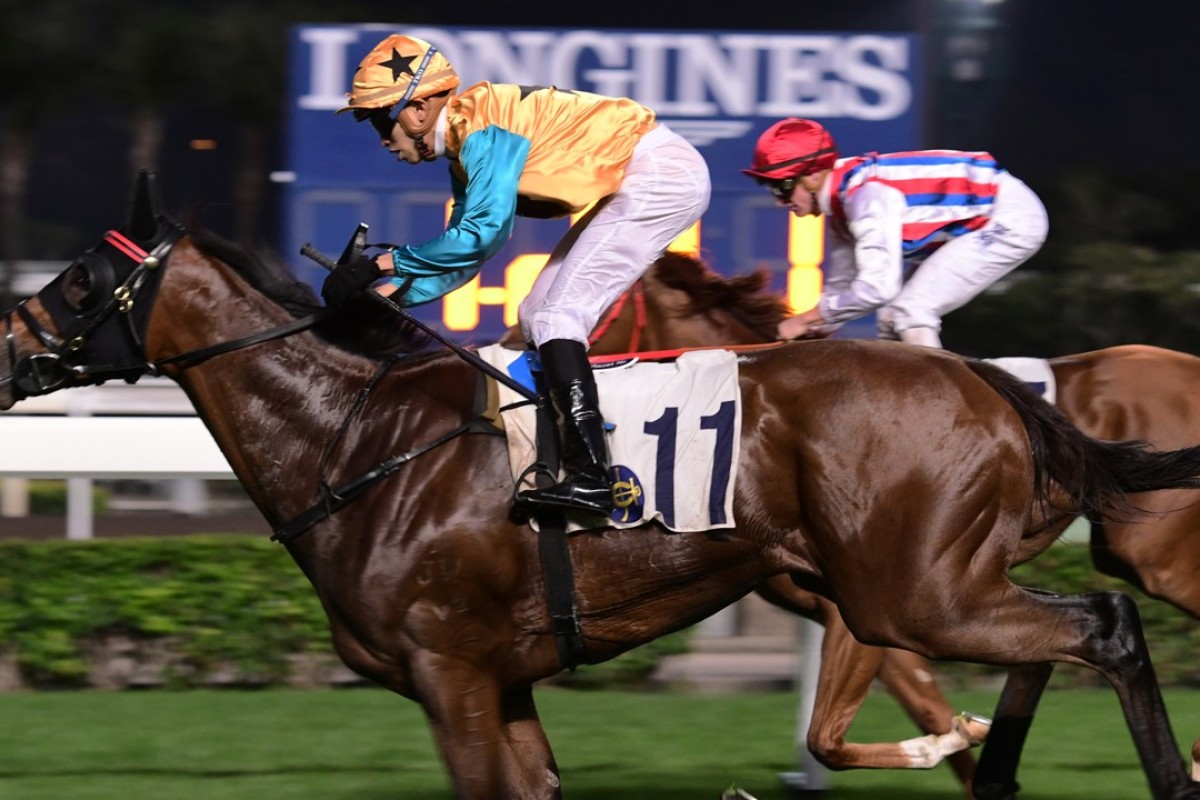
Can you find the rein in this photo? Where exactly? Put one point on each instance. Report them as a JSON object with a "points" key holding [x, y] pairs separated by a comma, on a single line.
{"points": [[638, 292], [193, 357]]}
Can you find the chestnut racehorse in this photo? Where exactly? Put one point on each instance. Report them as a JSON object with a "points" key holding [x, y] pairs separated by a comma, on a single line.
{"points": [[681, 302], [899, 480]]}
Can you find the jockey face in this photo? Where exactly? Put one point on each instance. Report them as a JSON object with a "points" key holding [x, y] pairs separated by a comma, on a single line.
{"points": [[799, 195]]}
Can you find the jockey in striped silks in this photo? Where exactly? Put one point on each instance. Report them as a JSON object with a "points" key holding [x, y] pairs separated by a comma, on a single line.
{"points": [[911, 236]]}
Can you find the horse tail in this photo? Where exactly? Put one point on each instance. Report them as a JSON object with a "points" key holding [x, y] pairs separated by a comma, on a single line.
{"points": [[1095, 475]]}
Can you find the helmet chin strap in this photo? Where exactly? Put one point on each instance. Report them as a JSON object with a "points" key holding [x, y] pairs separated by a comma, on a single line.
{"points": [[423, 150], [418, 136], [816, 207]]}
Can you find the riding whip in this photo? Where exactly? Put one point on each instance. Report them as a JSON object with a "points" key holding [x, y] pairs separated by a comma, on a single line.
{"points": [[354, 245]]}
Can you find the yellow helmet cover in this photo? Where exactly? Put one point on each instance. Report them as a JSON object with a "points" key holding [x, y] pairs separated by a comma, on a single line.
{"points": [[399, 69]]}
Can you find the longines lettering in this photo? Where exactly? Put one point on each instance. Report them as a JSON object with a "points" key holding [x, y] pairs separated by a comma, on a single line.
{"points": [[677, 74]]}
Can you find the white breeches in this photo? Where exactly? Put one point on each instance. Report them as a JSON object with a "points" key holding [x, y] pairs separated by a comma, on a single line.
{"points": [[665, 190], [964, 267]]}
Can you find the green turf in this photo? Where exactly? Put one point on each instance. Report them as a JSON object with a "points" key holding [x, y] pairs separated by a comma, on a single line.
{"points": [[366, 744]]}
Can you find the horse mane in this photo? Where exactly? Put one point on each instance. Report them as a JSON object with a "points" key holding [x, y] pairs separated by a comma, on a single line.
{"points": [[363, 327], [746, 296]]}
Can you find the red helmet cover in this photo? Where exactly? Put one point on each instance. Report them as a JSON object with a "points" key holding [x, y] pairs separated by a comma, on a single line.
{"points": [[792, 148]]}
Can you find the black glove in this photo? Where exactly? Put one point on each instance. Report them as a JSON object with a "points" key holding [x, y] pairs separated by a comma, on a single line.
{"points": [[344, 282]]}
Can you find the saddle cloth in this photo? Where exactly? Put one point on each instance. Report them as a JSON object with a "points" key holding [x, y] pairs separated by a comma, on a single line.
{"points": [[673, 438], [1035, 372]]}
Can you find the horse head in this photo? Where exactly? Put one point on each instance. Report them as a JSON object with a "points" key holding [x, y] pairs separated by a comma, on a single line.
{"points": [[88, 325], [686, 299]]}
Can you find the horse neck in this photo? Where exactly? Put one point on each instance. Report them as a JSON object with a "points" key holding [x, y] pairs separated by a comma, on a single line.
{"points": [[272, 406], [672, 322]]}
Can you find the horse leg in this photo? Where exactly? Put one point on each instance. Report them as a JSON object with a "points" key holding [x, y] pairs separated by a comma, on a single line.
{"points": [[908, 679], [489, 736], [1100, 631], [996, 775], [847, 669]]}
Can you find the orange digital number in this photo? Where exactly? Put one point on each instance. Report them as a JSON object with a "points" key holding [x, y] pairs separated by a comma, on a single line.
{"points": [[806, 251], [806, 247]]}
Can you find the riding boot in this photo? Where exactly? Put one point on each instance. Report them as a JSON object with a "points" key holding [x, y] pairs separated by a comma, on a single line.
{"points": [[582, 448]]}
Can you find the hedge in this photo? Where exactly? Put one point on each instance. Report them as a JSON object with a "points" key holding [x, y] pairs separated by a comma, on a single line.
{"points": [[186, 611], [233, 609]]}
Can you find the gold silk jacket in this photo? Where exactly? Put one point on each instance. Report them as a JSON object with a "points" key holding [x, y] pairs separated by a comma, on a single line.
{"points": [[579, 143]]}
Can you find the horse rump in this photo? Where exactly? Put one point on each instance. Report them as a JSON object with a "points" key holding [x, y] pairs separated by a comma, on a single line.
{"points": [[1096, 476]]}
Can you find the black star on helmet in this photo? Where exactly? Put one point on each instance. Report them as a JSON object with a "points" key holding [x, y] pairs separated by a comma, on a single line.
{"points": [[399, 65]]}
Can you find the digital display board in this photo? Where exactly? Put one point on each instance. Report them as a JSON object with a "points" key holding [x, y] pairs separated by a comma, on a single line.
{"points": [[718, 90]]}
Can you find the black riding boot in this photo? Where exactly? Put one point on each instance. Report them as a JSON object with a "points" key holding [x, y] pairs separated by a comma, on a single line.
{"points": [[582, 448]]}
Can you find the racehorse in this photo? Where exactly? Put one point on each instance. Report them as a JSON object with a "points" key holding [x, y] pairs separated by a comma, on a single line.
{"points": [[899, 480], [682, 302]]}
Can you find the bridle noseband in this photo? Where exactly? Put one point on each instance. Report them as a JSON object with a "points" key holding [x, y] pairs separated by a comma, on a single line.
{"points": [[88, 303], [100, 309]]}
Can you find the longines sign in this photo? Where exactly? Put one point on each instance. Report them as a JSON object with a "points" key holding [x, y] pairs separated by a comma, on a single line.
{"points": [[720, 90], [707, 76]]}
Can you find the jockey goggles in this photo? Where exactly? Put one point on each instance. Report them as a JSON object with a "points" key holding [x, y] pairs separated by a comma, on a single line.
{"points": [[781, 188], [381, 119]]}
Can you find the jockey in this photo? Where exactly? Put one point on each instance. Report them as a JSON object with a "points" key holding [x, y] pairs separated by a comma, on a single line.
{"points": [[912, 235], [535, 151]]}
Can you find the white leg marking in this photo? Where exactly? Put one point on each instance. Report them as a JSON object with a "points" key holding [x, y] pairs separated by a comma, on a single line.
{"points": [[967, 730]]}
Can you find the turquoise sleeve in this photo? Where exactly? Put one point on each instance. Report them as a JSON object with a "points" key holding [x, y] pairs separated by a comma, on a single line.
{"points": [[481, 221]]}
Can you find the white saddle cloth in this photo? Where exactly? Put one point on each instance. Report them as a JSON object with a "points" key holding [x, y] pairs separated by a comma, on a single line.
{"points": [[674, 437], [1034, 371]]}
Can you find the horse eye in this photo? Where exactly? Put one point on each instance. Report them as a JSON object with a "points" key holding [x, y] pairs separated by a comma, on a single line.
{"points": [[77, 287]]}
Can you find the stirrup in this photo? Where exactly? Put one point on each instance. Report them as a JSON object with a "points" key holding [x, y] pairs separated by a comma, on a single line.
{"points": [[596, 497]]}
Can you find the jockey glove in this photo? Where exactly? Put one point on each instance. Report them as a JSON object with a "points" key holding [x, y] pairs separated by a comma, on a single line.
{"points": [[347, 280]]}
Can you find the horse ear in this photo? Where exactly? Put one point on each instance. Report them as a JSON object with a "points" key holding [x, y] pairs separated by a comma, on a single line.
{"points": [[147, 207]]}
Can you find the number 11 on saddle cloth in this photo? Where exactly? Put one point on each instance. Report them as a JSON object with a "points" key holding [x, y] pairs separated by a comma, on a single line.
{"points": [[673, 438]]}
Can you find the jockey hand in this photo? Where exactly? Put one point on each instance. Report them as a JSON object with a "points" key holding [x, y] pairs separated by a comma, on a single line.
{"points": [[806, 325], [347, 280]]}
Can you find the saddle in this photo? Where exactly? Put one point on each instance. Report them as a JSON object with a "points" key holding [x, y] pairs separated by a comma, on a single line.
{"points": [[673, 426]]}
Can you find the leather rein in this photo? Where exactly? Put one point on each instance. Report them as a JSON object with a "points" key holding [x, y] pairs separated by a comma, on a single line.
{"points": [[84, 324]]}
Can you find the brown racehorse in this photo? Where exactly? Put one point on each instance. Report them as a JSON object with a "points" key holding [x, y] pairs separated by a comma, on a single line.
{"points": [[899, 480], [681, 302]]}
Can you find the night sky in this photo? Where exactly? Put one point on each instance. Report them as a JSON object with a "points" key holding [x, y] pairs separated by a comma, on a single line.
{"points": [[1078, 85], [1108, 83]]}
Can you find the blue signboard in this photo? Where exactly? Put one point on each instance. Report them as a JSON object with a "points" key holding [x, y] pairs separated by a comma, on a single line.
{"points": [[719, 90]]}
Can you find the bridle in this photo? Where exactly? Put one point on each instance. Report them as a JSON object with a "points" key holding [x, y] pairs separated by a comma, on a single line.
{"points": [[101, 305]]}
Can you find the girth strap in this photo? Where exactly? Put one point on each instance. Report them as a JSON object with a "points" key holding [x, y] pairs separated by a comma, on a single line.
{"points": [[560, 588], [553, 552]]}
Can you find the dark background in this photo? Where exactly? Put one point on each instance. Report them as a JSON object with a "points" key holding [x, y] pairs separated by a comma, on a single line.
{"points": [[1094, 104], [1070, 85]]}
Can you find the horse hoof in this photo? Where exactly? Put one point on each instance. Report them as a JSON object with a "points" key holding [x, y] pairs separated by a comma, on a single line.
{"points": [[996, 791], [972, 727]]}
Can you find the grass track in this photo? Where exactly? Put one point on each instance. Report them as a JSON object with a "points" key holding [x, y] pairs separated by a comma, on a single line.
{"points": [[366, 744]]}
